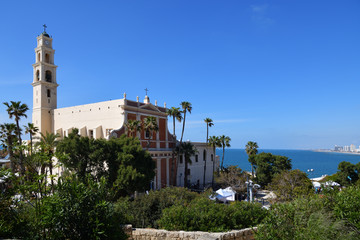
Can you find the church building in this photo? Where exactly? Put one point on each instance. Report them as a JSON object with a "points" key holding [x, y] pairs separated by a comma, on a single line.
{"points": [[107, 119]]}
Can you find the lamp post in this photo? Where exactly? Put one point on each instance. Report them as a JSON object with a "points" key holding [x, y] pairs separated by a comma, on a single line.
{"points": [[249, 185]]}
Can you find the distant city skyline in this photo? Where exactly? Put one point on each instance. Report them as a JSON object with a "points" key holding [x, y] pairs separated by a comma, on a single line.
{"points": [[283, 74]]}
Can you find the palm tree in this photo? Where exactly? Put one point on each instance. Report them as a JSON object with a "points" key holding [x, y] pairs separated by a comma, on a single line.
{"points": [[150, 126], [175, 114], [225, 142], [209, 123], [32, 130], [186, 106], [251, 150], [47, 146], [188, 149], [18, 110], [214, 142], [8, 136], [132, 127]]}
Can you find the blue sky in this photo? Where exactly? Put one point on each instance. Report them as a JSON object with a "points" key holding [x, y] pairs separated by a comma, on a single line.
{"points": [[282, 73]]}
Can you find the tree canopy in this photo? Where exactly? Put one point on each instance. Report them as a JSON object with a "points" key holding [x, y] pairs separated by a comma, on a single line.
{"points": [[267, 165]]}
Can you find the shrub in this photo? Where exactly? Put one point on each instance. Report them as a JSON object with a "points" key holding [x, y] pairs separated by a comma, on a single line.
{"points": [[303, 219], [144, 211], [205, 215], [347, 205]]}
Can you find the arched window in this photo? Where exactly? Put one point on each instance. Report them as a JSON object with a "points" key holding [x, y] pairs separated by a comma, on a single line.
{"points": [[48, 93], [48, 76], [38, 75], [38, 57], [47, 58], [204, 155]]}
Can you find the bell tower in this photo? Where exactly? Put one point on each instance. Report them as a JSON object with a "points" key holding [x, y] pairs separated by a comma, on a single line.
{"points": [[44, 84]]}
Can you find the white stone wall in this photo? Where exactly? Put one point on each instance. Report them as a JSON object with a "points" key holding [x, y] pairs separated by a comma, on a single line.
{"points": [[154, 234], [197, 168], [97, 117]]}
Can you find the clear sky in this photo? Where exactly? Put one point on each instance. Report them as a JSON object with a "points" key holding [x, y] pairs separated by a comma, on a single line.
{"points": [[285, 74]]}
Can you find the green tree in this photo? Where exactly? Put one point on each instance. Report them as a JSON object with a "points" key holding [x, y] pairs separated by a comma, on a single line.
{"points": [[133, 127], [188, 149], [78, 210], [347, 173], [289, 185], [214, 142], [209, 123], [18, 110], [176, 115], [150, 126], [47, 145], [122, 161], [186, 107], [234, 177], [251, 149], [8, 136], [267, 165], [347, 206], [225, 142], [32, 130]]}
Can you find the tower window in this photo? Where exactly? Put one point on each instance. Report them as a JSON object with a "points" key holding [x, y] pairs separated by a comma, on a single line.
{"points": [[38, 75], [196, 158], [48, 93], [212, 157], [38, 57], [48, 76], [204, 155], [47, 58]]}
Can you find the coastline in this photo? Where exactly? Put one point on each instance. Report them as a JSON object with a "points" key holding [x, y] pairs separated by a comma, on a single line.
{"points": [[332, 151]]}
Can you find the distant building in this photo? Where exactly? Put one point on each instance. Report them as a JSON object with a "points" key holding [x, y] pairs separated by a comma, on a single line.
{"points": [[352, 148], [338, 148], [346, 148]]}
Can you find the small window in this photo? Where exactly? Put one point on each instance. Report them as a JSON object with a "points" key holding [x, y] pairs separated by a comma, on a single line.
{"points": [[181, 159], [48, 76], [91, 133], [147, 134], [48, 93], [204, 155], [196, 158], [47, 58], [37, 75], [212, 157], [38, 57]]}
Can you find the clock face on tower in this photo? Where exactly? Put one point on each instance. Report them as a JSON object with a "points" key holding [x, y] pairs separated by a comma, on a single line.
{"points": [[46, 42]]}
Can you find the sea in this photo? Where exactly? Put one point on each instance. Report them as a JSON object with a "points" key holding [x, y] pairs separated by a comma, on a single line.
{"points": [[321, 163]]}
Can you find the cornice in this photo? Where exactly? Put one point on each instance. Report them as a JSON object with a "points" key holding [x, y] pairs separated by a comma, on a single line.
{"points": [[48, 84], [145, 111], [44, 63]]}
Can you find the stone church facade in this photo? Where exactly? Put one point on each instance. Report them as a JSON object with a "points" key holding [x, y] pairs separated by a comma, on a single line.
{"points": [[107, 119]]}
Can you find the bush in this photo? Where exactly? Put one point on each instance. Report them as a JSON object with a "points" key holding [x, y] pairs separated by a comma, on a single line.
{"points": [[303, 219], [146, 210], [79, 211], [205, 215], [347, 205], [289, 185]]}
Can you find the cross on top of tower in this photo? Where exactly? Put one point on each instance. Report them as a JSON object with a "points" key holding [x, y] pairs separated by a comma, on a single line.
{"points": [[44, 27], [146, 90]]}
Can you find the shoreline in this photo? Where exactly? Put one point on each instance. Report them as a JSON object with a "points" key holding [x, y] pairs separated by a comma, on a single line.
{"points": [[332, 151]]}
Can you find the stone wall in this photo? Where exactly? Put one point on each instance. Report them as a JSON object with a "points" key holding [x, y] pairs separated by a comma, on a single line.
{"points": [[154, 234]]}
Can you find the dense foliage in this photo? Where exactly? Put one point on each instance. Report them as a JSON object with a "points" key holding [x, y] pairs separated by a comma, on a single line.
{"points": [[335, 215], [232, 176], [289, 185], [205, 215], [122, 161], [267, 165], [146, 210]]}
